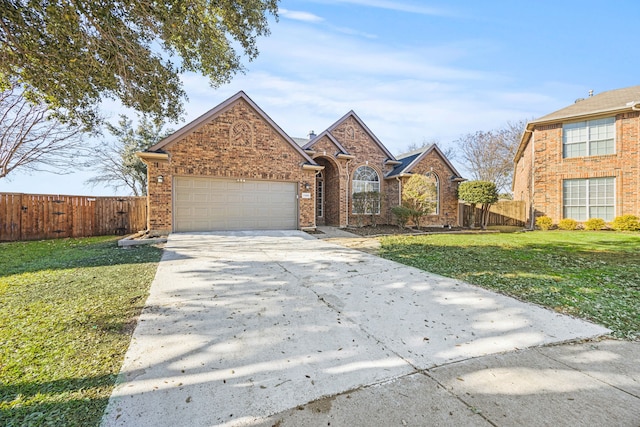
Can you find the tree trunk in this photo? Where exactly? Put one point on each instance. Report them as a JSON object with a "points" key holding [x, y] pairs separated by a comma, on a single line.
{"points": [[472, 221]]}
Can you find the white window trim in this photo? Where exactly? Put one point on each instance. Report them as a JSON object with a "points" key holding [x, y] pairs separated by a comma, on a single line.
{"points": [[437, 212], [353, 181], [587, 195], [588, 140]]}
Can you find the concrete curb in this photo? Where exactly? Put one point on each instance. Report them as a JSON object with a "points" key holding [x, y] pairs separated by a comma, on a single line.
{"points": [[133, 240]]}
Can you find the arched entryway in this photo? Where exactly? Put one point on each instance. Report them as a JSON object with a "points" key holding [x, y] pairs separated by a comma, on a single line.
{"points": [[328, 193]]}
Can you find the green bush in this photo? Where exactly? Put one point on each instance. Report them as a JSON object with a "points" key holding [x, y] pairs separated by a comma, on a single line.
{"points": [[594, 224], [483, 193], [568, 224], [544, 222], [625, 223], [402, 215]]}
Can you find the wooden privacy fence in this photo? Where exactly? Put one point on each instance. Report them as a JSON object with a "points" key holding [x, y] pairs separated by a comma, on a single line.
{"points": [[512, 212], [45, 216]]}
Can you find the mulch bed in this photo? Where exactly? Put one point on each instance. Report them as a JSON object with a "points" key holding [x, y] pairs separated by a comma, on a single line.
{"points": [[369, 230]]}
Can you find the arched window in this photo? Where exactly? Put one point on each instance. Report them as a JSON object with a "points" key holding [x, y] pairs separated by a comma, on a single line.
{"points": [[435, 195], [366, 191]]}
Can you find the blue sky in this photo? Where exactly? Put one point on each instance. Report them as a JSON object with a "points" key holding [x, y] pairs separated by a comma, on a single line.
{"points": [[415, 70]]}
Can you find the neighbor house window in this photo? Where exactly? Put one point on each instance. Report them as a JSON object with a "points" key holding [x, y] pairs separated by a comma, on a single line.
{"points": [[589, 138], [434, 199], [366, 191], [589, 198]]}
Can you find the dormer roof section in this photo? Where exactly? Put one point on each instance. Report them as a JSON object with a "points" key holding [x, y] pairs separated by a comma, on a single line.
{"points": [[340, 149], [411, 159], [375, 139]]}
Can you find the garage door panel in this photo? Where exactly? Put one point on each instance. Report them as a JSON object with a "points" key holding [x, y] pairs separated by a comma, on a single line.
{"points": [[203, 204]]}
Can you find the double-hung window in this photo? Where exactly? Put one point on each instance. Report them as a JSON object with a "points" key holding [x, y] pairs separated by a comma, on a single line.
{"points": [[589, 198], [589, 138]]}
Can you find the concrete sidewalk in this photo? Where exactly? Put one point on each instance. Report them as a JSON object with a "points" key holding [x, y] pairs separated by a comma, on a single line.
{"points": [[582, 384], [279, 328]]}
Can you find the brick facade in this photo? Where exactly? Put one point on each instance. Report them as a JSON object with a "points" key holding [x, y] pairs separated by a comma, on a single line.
{"points": [[540, 168], [352, 137], [360, 144], [447, 192], [237, 141]]}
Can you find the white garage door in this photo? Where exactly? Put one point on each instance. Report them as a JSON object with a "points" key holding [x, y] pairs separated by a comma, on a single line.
{"points": [[207, 204]]}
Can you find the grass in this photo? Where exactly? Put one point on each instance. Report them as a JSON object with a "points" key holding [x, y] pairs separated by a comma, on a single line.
{"points": [[68, 310], [592, 275]]}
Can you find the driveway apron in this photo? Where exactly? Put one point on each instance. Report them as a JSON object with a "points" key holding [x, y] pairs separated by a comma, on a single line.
{"points": [[239, 326]]}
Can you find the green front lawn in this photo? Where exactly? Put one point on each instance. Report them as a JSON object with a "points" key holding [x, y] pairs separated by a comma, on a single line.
{"points": [[68, 308], [593, 275]]}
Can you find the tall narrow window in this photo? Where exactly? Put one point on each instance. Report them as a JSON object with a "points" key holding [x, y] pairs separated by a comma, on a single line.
{"points": [[589, 138], [366, 191], [434, 194], [589, 198], [320, 195]]}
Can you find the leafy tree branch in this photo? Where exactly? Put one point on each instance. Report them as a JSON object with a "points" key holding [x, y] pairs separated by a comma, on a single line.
{"points": [[70, 54]]}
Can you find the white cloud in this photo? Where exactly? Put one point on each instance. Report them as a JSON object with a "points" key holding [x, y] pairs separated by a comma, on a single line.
{"points": [[299, 15], [398, 6], [308, 77]]}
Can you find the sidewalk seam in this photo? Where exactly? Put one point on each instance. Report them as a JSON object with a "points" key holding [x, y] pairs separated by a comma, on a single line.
{"points": [[586, 374]]}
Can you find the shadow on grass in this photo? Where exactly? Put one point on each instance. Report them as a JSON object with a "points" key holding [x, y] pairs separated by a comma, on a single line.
{"points": [[594, 279], [55, 402], [59, 254]]}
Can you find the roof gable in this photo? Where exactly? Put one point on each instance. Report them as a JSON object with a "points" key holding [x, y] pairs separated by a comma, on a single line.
{"points": [[375, 139], [411, 159], [217, 111], [334, 141]]}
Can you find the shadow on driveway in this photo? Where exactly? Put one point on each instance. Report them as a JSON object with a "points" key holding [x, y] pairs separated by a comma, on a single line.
{"points": [[241, 326]]}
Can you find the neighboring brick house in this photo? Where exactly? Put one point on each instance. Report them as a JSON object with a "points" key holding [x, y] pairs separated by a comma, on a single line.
{"points": [[582, 161], [235, 169]]}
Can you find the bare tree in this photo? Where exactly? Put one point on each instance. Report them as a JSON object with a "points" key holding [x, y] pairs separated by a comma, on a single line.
{"points": [[30, 139], [449, 151], [489, 155], [116, 163]]}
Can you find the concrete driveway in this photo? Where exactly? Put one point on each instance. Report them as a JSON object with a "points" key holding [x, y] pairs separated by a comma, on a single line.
{"points": [[240, 327]]}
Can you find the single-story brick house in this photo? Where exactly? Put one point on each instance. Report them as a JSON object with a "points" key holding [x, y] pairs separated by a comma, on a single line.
{"points": [[234, 168], [582, 161]]}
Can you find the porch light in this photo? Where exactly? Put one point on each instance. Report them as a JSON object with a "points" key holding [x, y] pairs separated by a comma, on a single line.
{"points": [[306, 186], [160, 179]]}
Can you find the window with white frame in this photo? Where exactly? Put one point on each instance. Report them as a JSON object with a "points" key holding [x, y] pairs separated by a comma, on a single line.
{"points": [[434, 199], [589, 138], [589, 198], [366, 182]]}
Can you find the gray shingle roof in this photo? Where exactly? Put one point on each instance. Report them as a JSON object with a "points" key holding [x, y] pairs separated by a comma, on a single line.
{"points": [[609, 101], [409, 160], [300, 141]]}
